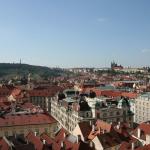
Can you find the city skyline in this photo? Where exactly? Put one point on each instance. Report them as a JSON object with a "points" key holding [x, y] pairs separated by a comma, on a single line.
{"points": [[75, 33]]}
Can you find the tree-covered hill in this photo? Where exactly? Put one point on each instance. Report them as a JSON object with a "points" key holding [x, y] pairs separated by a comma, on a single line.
{"points": [[11, 70]]}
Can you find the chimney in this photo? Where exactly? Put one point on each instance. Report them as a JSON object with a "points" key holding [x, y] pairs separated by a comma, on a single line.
{"points": [[77, 139], [138, 132], [90, 123], [103, 131], [62, 144], [64, 134], [27, 141], [93, 128], [44, 142], [118, 126], [132, 146], [91, 144], [35, 133]]}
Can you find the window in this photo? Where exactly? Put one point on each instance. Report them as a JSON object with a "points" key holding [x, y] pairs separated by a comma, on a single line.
{"points": [[6, 133], [37, 131], [130, 118], [87, 114], [21, 131], [98, 115], [13, 133], [118, 119], [118, 113], [105, 115], [46, 130], [111, 113]]}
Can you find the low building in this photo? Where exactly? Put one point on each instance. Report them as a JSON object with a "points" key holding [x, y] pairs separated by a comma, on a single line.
{"points": [[41, 96], [23, 123]]}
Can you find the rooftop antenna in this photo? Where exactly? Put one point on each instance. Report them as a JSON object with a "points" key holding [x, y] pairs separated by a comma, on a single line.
{"points": [[20, 61]]}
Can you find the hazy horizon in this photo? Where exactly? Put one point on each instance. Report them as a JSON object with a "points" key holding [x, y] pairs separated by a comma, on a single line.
{"points": [[70, 67]]}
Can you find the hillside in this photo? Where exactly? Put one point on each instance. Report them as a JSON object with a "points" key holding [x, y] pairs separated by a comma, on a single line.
{"points": [[11, 70]]}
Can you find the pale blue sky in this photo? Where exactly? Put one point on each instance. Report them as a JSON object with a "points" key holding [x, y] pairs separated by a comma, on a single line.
{"points": [[75, 33]]}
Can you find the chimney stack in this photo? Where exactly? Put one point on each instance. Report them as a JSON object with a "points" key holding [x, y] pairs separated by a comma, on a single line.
{"points": [[62, 144], [139, 132], [64, 134], [93, 128], [35, 133], [91, 144], [77, 139], [132, 147], [90, 123], [44, 142]]}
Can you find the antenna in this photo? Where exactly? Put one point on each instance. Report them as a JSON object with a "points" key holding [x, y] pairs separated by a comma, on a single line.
{"points": [[20, 60]]}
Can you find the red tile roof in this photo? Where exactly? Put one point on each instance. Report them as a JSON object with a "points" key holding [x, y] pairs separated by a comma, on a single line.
{"points": [[129, 95], [45, 91], [127, 145], [146, 147], [60, 135], [85, 128], [110, 93], [3, 99], [145, 127], [3, 145], [16, 92], [35, 140], [21, 120], [56, 143], [47, 138], [111, 139]]}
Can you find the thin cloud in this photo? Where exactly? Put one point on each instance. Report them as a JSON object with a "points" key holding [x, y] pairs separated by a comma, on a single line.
{"points": [[102, 19], [145, 50]]}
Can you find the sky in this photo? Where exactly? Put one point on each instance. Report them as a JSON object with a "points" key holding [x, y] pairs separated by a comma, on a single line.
{"points": [[75, 33]]}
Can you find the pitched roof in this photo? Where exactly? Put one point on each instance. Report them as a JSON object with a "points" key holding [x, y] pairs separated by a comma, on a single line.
{"points": [[35, 140], [16, 92], [82, 146], [18, 120], [3, 145], [61, 134], [127, 145], [111, 139], [145, 147], [45, 92], [145, 127], [129, 95], [85, 128]]}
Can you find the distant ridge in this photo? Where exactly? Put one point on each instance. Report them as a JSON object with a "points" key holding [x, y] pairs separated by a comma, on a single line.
{"points": [[17, 69]]}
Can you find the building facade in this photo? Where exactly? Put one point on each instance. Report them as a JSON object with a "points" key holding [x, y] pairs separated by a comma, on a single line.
{"points": [[24, 123], [142, 105], [69, 112]]}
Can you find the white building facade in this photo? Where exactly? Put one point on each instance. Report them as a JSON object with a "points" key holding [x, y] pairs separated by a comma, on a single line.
{"points": [[142, 105]]}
